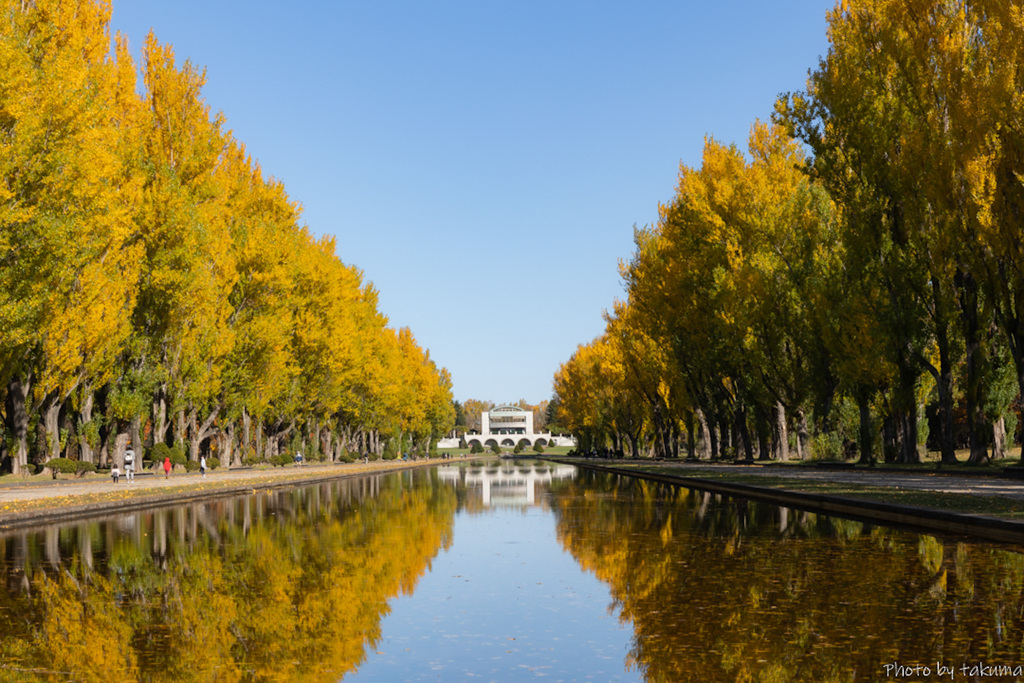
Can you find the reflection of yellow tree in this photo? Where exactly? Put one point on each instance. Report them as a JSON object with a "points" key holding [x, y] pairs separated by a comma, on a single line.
{"points": [[83, 630], [738, 591], [296, 596]]}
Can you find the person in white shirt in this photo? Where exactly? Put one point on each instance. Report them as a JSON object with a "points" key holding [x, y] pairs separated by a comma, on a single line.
{"points": [[129, 465]]}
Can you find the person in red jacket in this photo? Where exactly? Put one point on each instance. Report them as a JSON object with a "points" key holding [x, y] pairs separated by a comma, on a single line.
{"points": [[167, 467]]}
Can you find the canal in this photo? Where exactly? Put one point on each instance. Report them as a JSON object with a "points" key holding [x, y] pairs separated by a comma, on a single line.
{"points": [[502, 572]]}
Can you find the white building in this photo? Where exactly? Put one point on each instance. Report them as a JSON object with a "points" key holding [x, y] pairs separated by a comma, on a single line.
{"points": [[508, 426]]}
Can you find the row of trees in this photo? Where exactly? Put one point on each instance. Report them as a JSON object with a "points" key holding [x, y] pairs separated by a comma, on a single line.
{"points": [[860, 268], [155, 287]]}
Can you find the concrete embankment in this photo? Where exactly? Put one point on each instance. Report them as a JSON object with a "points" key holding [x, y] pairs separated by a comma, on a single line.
{"points": [[777, 485], [35, 501]]}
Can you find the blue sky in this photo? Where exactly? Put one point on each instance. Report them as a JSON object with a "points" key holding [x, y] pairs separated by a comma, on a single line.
{"points": [[484, 162]]}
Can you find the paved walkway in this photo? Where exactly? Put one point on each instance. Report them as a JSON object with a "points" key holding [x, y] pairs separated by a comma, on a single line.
{"points": [[33, 488], [774, 484], [977, 484], [40, 487]]}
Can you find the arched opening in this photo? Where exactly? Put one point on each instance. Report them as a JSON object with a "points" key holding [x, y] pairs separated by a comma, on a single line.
{"points": [[490, 442], [508, 442]]}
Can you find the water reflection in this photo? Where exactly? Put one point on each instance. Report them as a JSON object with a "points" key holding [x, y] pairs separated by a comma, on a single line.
{"points": [[295, 585], [730, 590], [285, 585], [506, 483]]}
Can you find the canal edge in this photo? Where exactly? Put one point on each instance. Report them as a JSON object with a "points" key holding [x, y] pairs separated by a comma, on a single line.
{"points": [[908, 516], [73, 513]]}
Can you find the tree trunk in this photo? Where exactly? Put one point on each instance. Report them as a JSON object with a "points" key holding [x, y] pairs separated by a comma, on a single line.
{"points": [[86, 452], [999, 450], [691, 436], [864, 405], [160, 417], [944, 376], [906, 406], [634, 444], [743, 434], [180, 427], [908, 438], [707, 437], [244, 446], [978, 429], [120, 445], [201, 433], [724, 429], [764, 430], [136, 440], [890, 439], [227, 451], [17, 420], [781, 433], [659, 430], [326, 442], [51, 422], [947, 442], [67, 425], [802, 434]]}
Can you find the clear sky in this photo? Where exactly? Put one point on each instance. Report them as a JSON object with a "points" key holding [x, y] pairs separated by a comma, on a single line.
{"points": [[484, 161]]}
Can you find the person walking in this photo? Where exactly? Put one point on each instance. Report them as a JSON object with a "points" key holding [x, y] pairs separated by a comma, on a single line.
{"points": [[129, 465], [115, 473], [167, 467], [202, 465]]}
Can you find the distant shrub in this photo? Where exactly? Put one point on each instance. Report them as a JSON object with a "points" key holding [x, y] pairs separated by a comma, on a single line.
{"points": [[62, 466], [191, 465], [538, 447], [68, 466], [476, 448], [161, 450], [827, 446], [496, 449], [281, 460], [212, 463], [157, 453], [390, 452]]}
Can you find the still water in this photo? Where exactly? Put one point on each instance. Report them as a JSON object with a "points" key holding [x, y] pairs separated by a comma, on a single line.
{"points": [[513, 572]]}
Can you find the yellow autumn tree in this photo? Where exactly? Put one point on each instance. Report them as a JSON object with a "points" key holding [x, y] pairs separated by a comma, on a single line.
{"points": [[66, 206], [159, 289]]}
